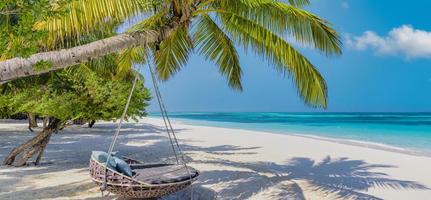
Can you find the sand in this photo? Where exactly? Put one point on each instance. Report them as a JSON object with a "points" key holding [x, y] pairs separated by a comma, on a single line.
{"points": [[235, 164]]}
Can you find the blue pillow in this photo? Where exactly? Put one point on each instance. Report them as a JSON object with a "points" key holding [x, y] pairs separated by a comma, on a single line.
{"points": [[123, 167], [101, 157]]}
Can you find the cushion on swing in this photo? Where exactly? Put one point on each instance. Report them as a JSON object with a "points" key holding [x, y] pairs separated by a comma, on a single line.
{"points": [[123, 167], [115, 163], [101, 157], [165, 174]]}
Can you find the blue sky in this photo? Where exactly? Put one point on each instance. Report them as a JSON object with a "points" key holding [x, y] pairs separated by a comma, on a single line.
{"points": [[385, 66]]}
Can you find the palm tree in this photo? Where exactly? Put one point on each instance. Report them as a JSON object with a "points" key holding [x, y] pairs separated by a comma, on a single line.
{"points": [[173, 29]]}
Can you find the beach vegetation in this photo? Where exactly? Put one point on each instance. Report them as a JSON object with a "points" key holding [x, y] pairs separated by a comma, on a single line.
{"points": [[85, 92], [78, 93], [171, 30]]}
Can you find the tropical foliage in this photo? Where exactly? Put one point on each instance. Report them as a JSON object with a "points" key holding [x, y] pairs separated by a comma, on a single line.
{"points": [[170, 30], [68, 95], [89, 91], [18, 37]]}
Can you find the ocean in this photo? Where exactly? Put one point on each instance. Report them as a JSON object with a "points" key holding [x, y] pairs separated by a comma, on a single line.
{"points": [[410, 131]]}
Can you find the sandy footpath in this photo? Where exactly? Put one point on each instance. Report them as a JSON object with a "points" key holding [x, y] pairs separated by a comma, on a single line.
{"points": [[235, 164]]}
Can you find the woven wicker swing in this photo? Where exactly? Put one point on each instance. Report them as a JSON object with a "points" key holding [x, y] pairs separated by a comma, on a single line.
{"points": [[148, 180]]}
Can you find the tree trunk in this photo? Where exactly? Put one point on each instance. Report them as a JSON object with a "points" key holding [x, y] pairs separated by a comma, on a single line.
{"points": [[42, 150], [45, 122], [22, 67], [78, 122], [91, 123], [33, 146], [32, 121]]}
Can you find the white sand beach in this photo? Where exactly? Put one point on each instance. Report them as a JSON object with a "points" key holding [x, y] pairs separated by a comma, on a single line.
{"points": [[234, 164]]}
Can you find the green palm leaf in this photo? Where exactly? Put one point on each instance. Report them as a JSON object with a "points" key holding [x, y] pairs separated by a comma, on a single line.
{"points": [[128, 57], [287, 20], [173, 53], [310, 84], [86, 16], [157, 20], [299, 3], [215, 45]]}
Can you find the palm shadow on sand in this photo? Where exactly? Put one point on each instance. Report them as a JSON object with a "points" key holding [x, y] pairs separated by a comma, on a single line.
{"points": [[343, 177]]}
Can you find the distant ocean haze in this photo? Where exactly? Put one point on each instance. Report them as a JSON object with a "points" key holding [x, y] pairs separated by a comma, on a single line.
{"points": [[411, 131]]}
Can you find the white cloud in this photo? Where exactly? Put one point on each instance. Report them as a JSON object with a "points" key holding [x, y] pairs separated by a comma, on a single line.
{"points": [[403, 40]]}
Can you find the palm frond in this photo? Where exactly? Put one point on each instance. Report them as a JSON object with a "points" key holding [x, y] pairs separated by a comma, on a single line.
{"points": [[215, 45], [173, 53], [157, 20], [311, 86], [299, 3], [85, 16], [286, 20], [128, 57], [80, 73]]}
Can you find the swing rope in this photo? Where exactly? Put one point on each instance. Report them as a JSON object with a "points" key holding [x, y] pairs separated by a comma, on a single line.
{"points": [[168, 125], [165, 115], [159, 101], [117, 131]]}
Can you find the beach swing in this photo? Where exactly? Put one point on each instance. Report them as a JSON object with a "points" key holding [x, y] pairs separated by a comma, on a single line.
{"points": [[131, 178]]}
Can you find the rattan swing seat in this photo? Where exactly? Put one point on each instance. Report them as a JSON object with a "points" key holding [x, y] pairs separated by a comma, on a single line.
{"points": [[148, 180]]}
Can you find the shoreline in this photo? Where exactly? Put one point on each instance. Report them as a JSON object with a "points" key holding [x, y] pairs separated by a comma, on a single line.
{"points": [[345, 141], [371, 145]]}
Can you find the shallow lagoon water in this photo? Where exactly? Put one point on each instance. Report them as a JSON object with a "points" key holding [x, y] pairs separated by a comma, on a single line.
{"points": [[405, 130]]}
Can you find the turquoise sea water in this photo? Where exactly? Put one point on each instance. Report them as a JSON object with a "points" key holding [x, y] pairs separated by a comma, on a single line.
{"points": [[405, 130]]}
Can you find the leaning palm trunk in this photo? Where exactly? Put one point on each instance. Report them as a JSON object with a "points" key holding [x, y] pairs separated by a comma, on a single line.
{"points": [[32, 147], [22, 67]]}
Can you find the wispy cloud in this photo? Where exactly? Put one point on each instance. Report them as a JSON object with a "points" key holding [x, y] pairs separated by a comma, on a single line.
{"points": [[404, 40]]}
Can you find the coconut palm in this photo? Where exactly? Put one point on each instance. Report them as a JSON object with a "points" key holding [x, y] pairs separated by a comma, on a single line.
{"points": [[172, 29]]}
